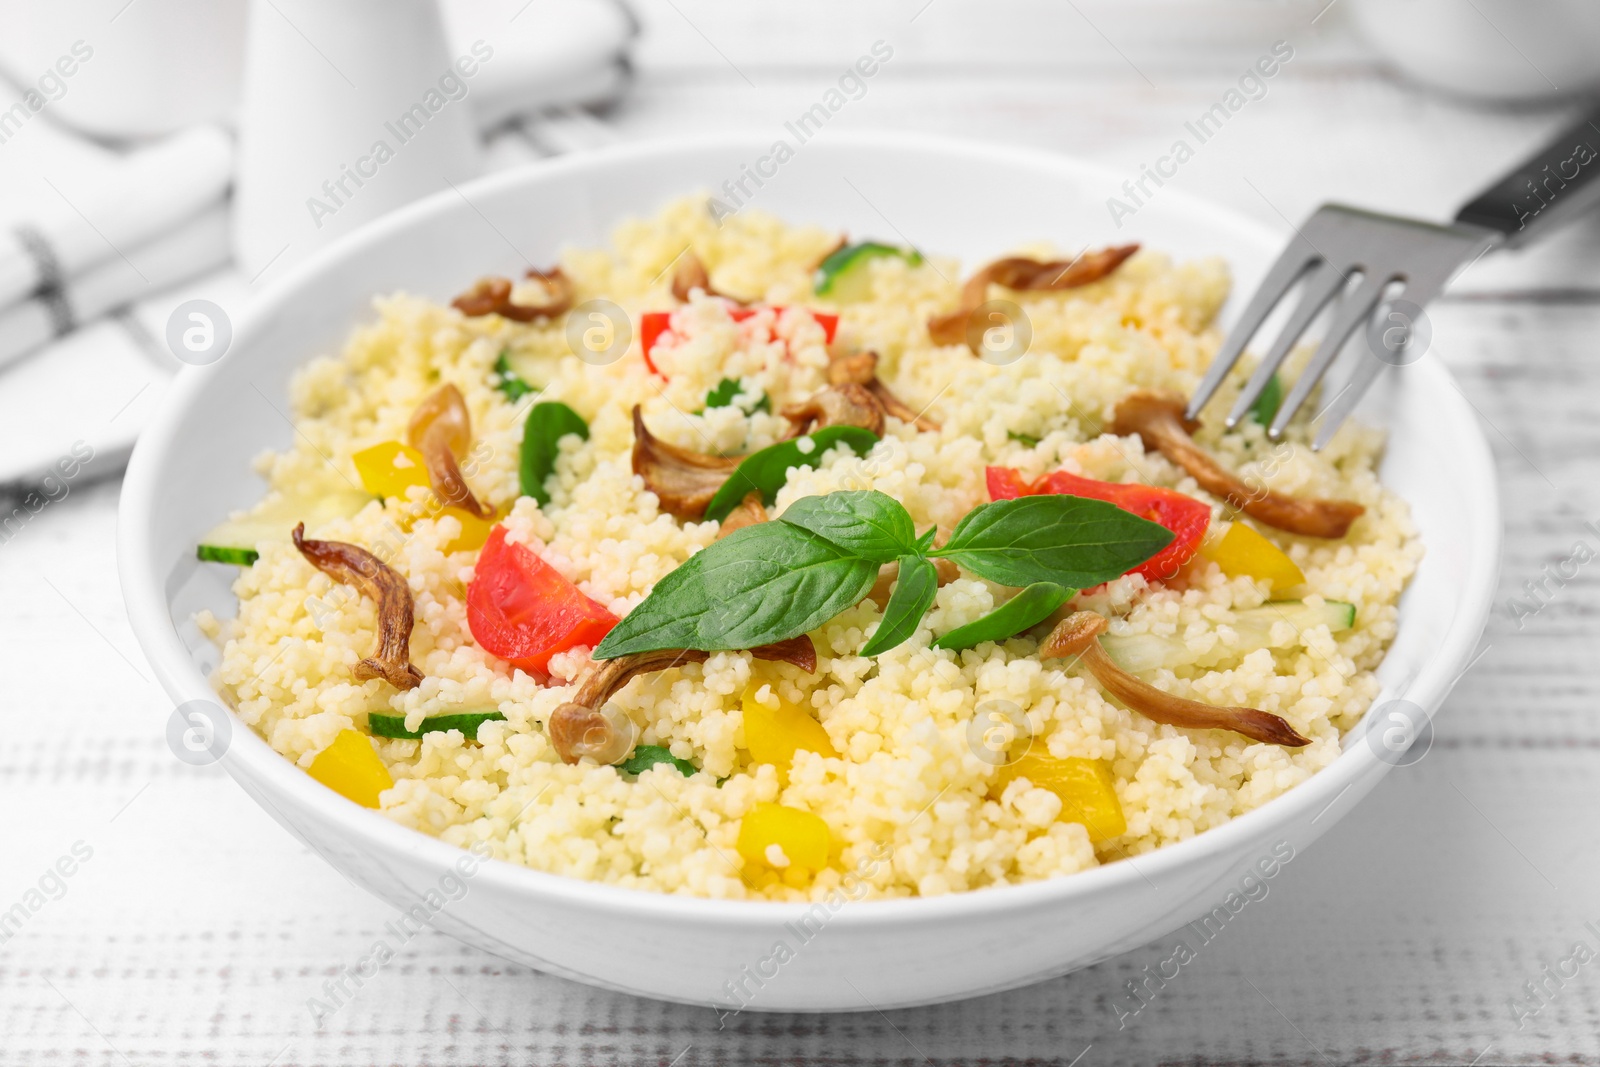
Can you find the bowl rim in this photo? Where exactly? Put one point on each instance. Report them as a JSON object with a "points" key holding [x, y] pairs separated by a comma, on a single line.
{"points": [[249, 757]]}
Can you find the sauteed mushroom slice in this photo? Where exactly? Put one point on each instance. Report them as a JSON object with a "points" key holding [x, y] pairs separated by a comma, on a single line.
{"points": [[861, 368], [1022, 273], [1158, 420], [692, 274], [356, 566], [492, 296], [441, 429], [836, 405], [750, 512], [1079, 635], [589, 726], [684, 481]]}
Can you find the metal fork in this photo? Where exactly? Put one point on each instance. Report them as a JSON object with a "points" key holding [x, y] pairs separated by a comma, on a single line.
{"points": [[1367, 263]]}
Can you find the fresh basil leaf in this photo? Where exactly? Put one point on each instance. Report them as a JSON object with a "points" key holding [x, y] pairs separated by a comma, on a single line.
{"points": [[768, 469], [1267, 403], [760, 584], [722, 397], [382, 724], [1028, 608], [511, 383], [912, 597], [925, 542], [1069, 540], [871, 524], [546, 425], [1026, 438], [646, 756]]}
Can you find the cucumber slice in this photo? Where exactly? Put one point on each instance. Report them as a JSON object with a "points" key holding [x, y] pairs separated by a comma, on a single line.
{"points": [[384, 725], [242, 557], [238, 540], [1149, 652], [846, 275]]}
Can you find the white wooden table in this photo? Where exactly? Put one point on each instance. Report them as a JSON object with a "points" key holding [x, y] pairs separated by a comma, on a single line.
{"points": [[197, 930]]}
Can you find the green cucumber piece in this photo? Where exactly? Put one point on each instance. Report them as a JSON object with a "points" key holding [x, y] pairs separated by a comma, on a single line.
{"points": [[846, 275], [385, 725], [239, 539], [1149, 652], [242, 557]]}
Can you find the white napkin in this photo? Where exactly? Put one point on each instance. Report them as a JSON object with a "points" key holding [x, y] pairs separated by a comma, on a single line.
{"points": [[84, 229]]}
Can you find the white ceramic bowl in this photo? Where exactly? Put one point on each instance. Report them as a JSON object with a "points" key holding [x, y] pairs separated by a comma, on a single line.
{"points": [[193, 465]]}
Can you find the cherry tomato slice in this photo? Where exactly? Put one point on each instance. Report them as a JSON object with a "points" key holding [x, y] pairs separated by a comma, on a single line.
{"points": [[652, 324], [1185, 516], [525, 611]]}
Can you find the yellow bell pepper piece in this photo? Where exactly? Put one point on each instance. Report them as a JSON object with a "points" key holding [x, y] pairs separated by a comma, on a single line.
{"points": [[774, 736], [792, 842], [390, 468], [1242, 551], [351, 768], [1085, 786]]}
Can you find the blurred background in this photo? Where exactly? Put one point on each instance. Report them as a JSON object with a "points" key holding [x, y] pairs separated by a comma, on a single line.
{"points": [[157, 152]]}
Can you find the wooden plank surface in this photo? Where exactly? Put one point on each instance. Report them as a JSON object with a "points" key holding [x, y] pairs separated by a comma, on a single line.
{"points": [[198, 929]]}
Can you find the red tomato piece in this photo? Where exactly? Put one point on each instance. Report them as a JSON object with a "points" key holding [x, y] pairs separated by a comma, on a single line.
{"points": [[1185, 516], [652, 324], [525, 611]]}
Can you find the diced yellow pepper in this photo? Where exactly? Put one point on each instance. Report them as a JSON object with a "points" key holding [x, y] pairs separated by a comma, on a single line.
{"points": [[474, 531], [1242, 551], [1086, 788], [774, 736], [792, 842], [390, 468], [351, 768]]}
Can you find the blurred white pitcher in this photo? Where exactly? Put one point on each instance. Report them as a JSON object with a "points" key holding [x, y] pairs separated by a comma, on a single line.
{"points": [[351, 108]]}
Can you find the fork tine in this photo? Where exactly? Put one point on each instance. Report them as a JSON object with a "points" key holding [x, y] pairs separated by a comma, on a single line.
{"points": [[1352, 311], [1325, 281], [1418, 291], [1290, 265]]}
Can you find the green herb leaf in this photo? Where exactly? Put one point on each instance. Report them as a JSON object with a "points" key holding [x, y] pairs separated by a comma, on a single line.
{"points": [[912, 597], [722, 396], [511, 383], [385, 725], [646, 756], [761, 584], [546, 425], [1267, 403], [1028, 608], [925, 542], [769, 468], [1069, 540], [1026, 438], [868, 523]]}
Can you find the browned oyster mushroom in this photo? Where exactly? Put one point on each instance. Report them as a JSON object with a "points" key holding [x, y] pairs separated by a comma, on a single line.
{"points": [[861, 368], [1022, 273], [836, 405], [352, 565], [441, 429], [1157, 418], [692, 274], [1079, 635], [492, 296], [682, 480], [587, 726]]}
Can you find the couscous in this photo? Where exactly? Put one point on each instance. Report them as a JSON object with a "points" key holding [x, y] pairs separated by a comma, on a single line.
{"points": [[969, 604]]}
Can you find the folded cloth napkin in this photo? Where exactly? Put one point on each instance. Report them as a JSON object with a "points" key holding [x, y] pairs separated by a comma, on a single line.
{"points": [[84, 229]]}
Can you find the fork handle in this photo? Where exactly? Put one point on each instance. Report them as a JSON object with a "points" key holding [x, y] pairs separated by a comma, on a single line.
{"points": [[1546, 190]]}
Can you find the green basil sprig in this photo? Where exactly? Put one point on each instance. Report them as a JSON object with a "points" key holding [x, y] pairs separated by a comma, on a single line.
{"points": [[912, 597], [546, 425], [1027, 609], [511, 383], [777, 580], [646, 756], [722, 397], [766, 470]]}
